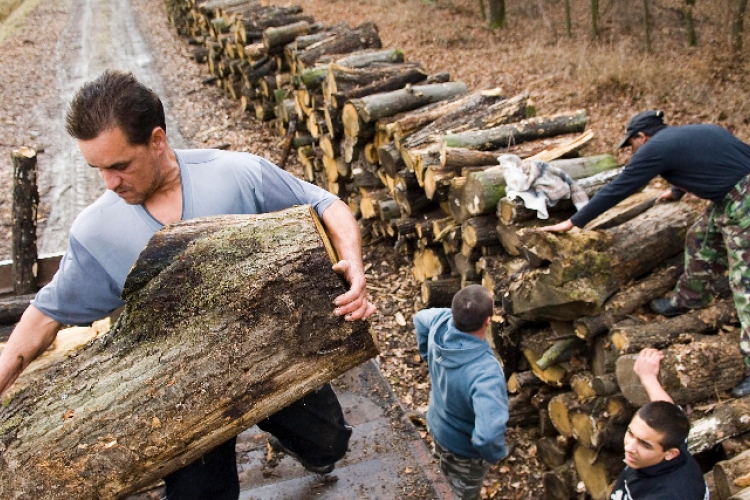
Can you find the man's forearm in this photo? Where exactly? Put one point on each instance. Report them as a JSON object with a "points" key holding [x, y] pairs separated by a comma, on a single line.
{"points": [[30, 338]]}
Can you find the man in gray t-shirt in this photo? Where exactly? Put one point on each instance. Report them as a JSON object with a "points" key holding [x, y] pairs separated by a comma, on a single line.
{"points": [[120, 128]]}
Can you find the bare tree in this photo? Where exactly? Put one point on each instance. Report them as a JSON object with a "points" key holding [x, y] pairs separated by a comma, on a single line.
{"points": [[647, 25], [739, 8], [568, 25], [595, 18], [497, 13], [689, 23]]}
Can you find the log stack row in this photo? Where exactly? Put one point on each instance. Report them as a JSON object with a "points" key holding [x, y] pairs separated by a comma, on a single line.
{"points": [[415, 155]]}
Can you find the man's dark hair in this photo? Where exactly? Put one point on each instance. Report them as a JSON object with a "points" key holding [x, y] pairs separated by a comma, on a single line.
{"points": [[115, 99], [667, 419], [471, 307]]}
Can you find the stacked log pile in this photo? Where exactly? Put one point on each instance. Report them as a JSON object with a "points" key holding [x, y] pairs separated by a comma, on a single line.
{"points": [[415, 155]]}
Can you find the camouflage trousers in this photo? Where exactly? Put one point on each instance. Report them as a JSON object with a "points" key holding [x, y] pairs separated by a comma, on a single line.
{"points": [[718, 244], [465, 475]]}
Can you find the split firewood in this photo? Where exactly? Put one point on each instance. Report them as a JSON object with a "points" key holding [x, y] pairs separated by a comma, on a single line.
{"points": [[561, 481], [689, 373], [597, 469], [602, 423], [660, 334], [227, 320], [440, 292], [628, 299], [554, 451], [728, 473]]}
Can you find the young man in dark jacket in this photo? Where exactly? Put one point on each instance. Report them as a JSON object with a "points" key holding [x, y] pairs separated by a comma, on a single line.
{"points": [[658, 464]]}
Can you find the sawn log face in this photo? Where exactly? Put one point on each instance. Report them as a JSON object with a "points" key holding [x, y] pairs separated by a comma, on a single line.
{"points": [[228, 319]]}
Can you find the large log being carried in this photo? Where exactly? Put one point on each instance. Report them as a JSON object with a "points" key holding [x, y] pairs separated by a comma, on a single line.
{"points": [[227, 320]]}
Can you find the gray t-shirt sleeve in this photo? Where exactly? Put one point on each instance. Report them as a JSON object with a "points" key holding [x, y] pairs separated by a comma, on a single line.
{"points": [[282, 190], [81, 291]]}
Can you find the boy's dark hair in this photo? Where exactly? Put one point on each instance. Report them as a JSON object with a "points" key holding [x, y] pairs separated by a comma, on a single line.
{"points": [[115, 99], [667, 419], [471, 307]]}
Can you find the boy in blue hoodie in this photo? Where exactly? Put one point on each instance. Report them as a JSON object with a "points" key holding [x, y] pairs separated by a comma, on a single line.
{"points": [[468, 408]]}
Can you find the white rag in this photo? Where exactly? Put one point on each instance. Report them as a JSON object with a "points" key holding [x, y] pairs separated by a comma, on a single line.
{"points": [[539, 185]]}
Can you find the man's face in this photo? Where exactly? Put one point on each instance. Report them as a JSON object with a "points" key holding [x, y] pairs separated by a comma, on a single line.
{"points": [[131, 171], [643, 445], [637, 141]]}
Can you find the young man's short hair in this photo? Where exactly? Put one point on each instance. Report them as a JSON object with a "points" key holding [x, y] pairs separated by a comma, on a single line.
{"points": [[471, 307], [667, 419]]}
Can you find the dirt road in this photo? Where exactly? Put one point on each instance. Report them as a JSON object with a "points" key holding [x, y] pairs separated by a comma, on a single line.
{"points": [[89, 37]]}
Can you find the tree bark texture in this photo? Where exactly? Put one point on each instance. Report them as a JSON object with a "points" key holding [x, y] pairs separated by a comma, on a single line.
{"points": [[630, 339], [505, 135], [227, 320], [587, 267]]}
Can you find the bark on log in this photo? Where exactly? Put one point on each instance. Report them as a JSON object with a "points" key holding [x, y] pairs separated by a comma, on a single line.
{"points": [[482, 109], [11, 308], [281, 35], [364, 36], [504, 135], [227, 320], [587, 268], [344, 83], [727, 472], [627, 300], [689, 373], [726, 420], [25, 204], [561, 482], [630, 339], [371, 108]]}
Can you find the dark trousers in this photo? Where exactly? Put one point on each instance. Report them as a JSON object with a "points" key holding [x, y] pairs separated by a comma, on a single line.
{"points": [[313, 427]]}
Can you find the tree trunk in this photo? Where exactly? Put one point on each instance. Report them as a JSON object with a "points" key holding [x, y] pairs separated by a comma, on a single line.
{"points": [[627, 300], [25, 204], [497, 14], [738, 19], [526, 130], [660, 334], [227, 320], [689, 373]]}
